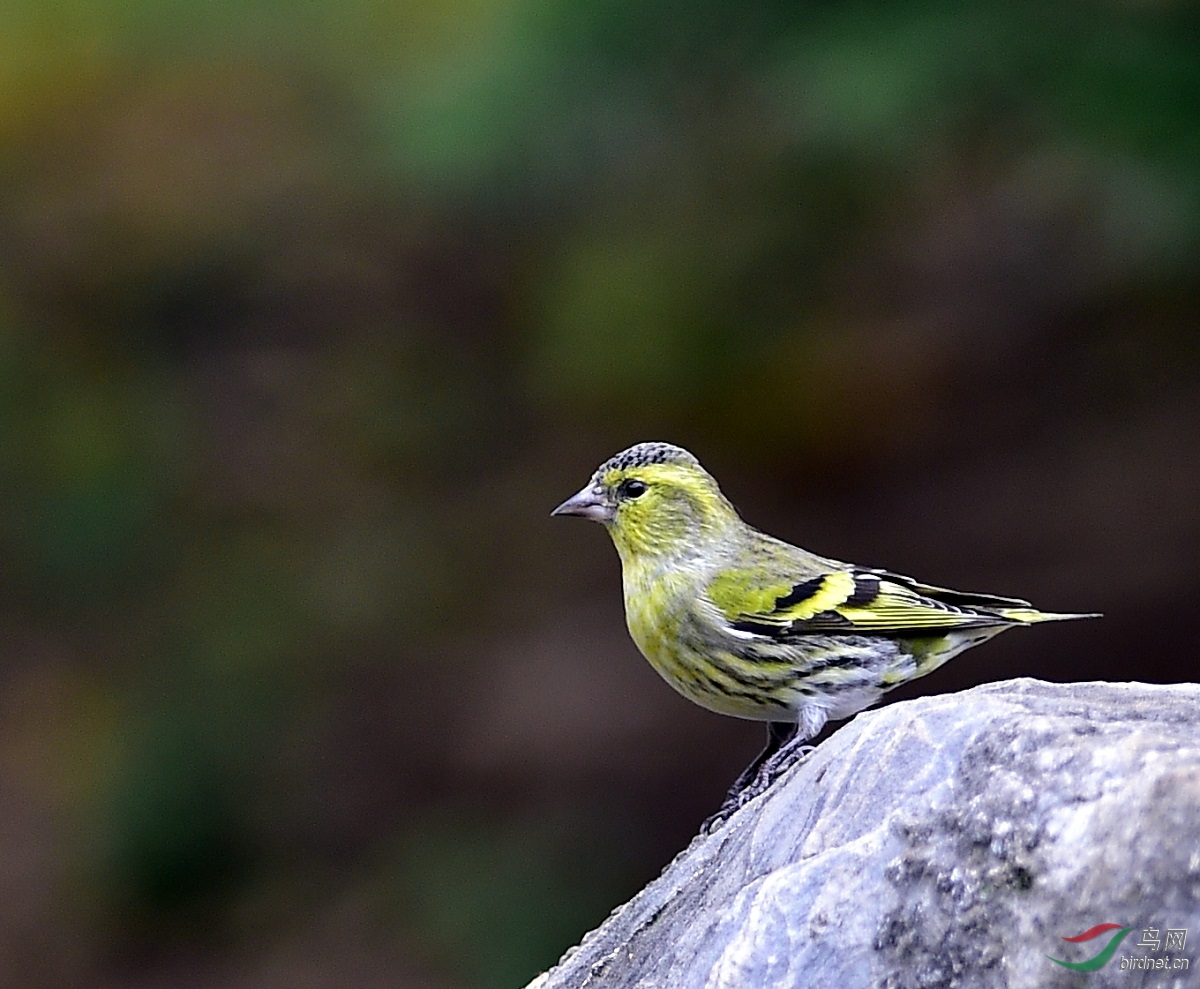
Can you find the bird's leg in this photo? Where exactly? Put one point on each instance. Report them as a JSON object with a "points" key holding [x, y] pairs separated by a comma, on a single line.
{"points": [[779, 733], [777, 755], [791, 752]]}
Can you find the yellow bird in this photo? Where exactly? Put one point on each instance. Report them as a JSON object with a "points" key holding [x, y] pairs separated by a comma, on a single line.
{"points": [[747, 625]]}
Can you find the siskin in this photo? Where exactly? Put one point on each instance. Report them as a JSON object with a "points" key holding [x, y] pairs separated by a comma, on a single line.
{"points": [[747, 625]]}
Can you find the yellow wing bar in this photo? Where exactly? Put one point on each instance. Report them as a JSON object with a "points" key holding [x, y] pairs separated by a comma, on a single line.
{"points": [[869, 602]]}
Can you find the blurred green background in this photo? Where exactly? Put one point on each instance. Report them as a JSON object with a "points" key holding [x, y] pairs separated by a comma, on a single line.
{"points": [[309, 314]]}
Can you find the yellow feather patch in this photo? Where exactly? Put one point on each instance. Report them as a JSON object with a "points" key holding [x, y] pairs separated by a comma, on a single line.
{"points": [[1030, 616], [898, 608], [1023, 615], [901, 615], [735, 594], [680, 475], [834, 589]]}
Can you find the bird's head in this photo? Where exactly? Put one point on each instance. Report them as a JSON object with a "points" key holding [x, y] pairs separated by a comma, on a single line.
{"points": [[655, 500]]}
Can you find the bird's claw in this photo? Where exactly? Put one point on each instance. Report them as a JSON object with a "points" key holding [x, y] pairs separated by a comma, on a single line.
{"points": [[761, 778]]}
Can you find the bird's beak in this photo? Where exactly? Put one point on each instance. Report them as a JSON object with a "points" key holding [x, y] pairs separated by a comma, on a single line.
{"points": [[588, 504]]}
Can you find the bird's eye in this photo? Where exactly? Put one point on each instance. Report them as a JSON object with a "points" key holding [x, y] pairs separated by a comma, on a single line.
{"points": [[631, 488]]}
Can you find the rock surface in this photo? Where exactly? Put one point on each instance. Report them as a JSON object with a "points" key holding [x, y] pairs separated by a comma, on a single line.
{"points": [[946, 841]]}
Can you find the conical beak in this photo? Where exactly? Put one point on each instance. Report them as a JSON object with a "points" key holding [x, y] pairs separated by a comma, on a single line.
{"points": [[588, 504]]}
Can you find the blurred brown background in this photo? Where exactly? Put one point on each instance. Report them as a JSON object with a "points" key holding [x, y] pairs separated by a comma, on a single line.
{"points": [[310, 313]]}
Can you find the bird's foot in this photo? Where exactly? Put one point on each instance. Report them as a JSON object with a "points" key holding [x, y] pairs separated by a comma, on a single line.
{"points": [[757, 778]]}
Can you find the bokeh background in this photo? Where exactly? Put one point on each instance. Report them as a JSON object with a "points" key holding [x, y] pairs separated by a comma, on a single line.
{"points": [[311, 311]]}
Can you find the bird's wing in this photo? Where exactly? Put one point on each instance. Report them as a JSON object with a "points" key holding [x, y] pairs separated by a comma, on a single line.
{"points": [[851, 601]]}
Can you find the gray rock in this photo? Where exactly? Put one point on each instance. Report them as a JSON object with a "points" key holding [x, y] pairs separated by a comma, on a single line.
{"points": [[946, 841]]}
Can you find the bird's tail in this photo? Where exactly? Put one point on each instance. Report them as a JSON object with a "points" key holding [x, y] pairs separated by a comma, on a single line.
{"points": [[1031, 616]]}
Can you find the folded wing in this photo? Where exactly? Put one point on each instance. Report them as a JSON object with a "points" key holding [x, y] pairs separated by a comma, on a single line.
{"points": [[854, 601]]}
